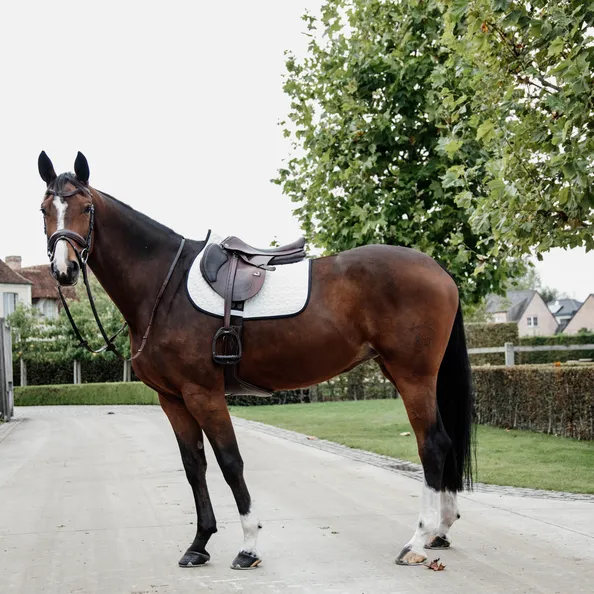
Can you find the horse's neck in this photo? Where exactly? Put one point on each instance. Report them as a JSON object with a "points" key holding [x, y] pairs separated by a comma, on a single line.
{"points": [[131, 256]]}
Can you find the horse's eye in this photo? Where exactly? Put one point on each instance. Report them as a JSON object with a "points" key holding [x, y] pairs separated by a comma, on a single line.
{"points": [[88, 208], [43, 211]]}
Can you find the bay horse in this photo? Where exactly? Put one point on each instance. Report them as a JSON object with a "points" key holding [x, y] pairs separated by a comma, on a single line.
{"points": [[392, 304]]}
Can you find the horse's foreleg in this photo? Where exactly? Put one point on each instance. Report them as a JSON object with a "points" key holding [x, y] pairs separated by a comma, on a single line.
{"points": [[191, 445], [211, 411]]}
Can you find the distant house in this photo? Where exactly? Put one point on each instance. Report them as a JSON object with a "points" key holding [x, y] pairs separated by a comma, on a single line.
{"points": [[583, 318], [14, 289], [526, 308], [44, 295], [564, 310]]}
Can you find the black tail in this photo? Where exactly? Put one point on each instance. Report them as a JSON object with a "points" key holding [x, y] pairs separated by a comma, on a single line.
{"points": [[455, 399]]}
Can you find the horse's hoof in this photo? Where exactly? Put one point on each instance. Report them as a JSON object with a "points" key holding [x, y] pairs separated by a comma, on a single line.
{"points": [[410, 558], [439, 542], [245, 561], [194, 559]]}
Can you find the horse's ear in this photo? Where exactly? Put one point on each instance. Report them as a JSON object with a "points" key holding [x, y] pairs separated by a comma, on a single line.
{"points": [[81, 168], [46, 169]]}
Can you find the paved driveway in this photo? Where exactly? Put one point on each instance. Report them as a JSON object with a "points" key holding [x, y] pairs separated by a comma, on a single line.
{"points": [[92, 502]]}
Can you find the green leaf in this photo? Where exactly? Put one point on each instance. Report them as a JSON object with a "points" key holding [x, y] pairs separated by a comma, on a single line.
{"points": [[486, 131], [500, 5], [556, 46]]}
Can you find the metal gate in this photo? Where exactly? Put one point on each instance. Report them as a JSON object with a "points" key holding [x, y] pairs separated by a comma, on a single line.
{"points": [[6, 389]]}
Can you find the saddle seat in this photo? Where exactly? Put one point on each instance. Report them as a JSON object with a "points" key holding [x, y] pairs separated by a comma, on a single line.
{"points": [[238, 245]]}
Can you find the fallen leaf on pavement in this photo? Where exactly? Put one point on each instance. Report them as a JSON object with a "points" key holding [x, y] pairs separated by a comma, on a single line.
{"points": [[435, 565], [311, 437]]}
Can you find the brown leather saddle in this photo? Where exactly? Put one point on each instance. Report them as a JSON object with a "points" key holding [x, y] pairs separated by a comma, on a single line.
{"points": [[237, 271]]}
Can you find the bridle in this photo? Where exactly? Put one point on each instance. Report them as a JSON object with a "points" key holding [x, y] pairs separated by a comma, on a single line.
{"points": [[82, 255], [70, 236]]}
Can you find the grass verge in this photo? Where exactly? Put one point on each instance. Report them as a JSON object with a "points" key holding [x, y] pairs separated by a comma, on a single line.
{"points": [[516, 458]]}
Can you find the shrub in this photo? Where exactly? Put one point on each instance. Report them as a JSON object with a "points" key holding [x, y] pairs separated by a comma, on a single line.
{"points": [[100, 369], [551, 399], [552, 356], [490, 335], [128, 393], [43, 373], [107, 393]]}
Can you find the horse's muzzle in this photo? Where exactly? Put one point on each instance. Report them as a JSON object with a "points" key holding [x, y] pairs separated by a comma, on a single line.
{"points": [[68, 278]]}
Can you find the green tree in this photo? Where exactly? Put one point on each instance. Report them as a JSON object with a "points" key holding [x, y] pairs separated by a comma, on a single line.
{"points": [[526, 99], [111, 318], [374, 160], [28, 332]]}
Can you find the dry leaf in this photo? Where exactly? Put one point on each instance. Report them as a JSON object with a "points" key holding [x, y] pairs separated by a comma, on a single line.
{"points": [[311, 437], [405, 433], [435, 565]]}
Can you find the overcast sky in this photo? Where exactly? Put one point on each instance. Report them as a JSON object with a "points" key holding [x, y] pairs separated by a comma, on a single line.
{"points": [[175, 104]]}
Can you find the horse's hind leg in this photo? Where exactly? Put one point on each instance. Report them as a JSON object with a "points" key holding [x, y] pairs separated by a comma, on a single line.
{"points": [[449, 514], [191, 445], [210, 408], [419, 396]]}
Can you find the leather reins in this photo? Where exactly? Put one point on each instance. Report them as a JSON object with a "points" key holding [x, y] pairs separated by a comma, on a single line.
{"points": [[82, 256]]}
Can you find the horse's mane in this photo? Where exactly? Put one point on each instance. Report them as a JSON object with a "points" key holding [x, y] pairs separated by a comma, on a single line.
{"points": [[138, 215]]}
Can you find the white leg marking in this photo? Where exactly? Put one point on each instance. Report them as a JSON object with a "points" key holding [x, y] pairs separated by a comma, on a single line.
{"points": [[61, 251], [428, 520], [250, 525], [449, 512]]}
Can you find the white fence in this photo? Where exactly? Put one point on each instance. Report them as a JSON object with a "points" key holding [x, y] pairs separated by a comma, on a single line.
{"points": [[6, 388], [510, 350]]}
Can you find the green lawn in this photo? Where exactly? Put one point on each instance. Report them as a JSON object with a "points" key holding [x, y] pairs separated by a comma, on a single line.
{"points": [[518, 458]]}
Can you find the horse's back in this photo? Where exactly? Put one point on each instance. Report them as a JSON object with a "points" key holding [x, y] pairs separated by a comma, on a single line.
{"points": [[384, 268]]}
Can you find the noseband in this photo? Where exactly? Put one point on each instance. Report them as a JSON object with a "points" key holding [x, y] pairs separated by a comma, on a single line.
{"points": [[82, 256]]}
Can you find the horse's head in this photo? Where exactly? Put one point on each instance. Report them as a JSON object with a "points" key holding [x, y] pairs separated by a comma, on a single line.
{"points": [[68, 214]]}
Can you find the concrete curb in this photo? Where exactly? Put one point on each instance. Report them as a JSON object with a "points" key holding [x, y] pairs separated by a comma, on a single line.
{"points": [[7, 428], [404, 467]]}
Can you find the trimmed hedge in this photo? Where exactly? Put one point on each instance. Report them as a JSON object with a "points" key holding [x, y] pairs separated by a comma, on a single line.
{"points": [[552, 399], [553, 356], [490, 335], [44, 373], [555, 399], [128, 393], [107, 393]]}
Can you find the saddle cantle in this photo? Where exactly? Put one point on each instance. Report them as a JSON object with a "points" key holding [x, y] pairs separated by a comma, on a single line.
{"points": [[237, 271]]}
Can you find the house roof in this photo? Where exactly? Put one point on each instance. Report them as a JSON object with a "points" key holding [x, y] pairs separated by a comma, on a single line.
{"points": [[564, 307], [514, 303], [10, 277], [44, 284], [590, 296]]}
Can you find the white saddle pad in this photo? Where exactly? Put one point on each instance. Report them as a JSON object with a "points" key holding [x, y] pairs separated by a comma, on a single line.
{"points": [[285, 292]]}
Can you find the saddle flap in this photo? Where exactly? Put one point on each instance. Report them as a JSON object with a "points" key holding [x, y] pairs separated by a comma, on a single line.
{"points": [[248, 281], [214, 267], [212, 261]]}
